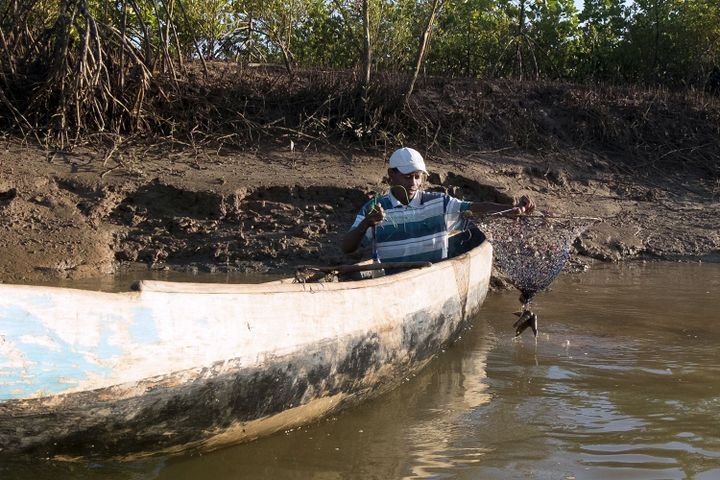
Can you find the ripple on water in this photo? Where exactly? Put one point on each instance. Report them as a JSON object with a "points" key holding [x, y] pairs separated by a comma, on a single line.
{"points": [[637, 459], [621, 384]]}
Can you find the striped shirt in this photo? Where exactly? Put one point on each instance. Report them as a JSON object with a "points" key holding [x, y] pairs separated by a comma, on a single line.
{"points": [[415, 232]]}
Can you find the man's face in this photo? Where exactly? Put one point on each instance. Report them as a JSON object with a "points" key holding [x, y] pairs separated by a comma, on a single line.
{"points": [[405, 183]]}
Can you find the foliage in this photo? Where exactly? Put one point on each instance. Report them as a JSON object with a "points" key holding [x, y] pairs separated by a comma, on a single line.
{"points": [[673, 42], [602, 26], [69, 67]]}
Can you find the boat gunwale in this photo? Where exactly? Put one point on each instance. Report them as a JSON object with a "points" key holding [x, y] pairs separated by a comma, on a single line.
{"points": [[286, 285], [158, 286]]}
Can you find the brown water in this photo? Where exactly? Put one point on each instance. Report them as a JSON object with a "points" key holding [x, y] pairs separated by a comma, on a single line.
{"points": [[623, 383]]}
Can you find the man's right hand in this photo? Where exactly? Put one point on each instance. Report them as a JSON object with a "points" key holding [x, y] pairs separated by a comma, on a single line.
{"points": [[375, 216], [351, 240]]}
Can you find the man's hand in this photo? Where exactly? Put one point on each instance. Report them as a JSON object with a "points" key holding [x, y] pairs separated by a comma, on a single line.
{"points": [[524, 206], [351, 240], [376, 215]]}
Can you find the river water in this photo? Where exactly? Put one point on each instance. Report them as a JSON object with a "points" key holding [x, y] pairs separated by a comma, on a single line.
{"points": [[622, 383]]}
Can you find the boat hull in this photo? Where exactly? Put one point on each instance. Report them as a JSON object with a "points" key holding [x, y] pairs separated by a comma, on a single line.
{"points": [[179, 367]]}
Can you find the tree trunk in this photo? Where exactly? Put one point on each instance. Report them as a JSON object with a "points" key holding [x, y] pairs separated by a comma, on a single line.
{"points": [[194, 38], [424, 40], [147, 45], [287, 57], [367, 53], [656, 44], [61, 29], [123, 34], [520, 35]]}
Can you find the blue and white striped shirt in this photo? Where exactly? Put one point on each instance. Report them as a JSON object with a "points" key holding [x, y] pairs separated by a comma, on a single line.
{"points": [[415, 232]]}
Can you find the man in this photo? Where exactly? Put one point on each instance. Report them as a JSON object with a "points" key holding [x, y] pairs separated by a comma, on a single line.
{"points": [[409, 224]]}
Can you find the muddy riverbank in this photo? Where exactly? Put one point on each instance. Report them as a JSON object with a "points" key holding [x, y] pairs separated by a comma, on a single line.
{"points": [[87, 213]]}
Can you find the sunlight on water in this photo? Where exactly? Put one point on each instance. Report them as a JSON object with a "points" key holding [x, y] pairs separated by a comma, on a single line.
{"points": [[622, 383]]}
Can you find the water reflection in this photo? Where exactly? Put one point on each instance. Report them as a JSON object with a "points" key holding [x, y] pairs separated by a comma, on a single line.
{"points": [[623, 382], [408, 433], [455, 390]]}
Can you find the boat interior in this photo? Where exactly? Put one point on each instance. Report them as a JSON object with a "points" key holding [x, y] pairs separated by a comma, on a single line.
{"points": [[459, 242]]}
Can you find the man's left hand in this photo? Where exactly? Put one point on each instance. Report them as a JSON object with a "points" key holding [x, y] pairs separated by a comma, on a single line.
{"points": [[524, 206]]}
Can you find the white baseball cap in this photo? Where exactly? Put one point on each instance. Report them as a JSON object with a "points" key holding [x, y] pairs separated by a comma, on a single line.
{"points": [[407, 160]]}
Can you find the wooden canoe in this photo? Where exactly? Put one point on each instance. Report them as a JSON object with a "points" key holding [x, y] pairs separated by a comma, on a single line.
{"points": [[190, 366]]}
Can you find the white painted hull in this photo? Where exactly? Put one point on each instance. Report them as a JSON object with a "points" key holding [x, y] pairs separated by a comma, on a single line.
{"points": [[177, 366]]}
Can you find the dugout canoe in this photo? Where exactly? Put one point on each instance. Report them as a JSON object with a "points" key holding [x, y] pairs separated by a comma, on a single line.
{"points": [[190, 366]]}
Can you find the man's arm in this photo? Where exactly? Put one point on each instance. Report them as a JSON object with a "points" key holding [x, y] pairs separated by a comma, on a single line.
{"points": [[351, 240], [524, 205]]}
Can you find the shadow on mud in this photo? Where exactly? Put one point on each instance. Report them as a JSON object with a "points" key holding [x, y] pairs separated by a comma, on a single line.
{"points": [[250, 230]]}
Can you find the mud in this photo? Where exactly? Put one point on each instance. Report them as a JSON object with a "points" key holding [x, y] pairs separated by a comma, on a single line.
{"points": [[268, 210]]}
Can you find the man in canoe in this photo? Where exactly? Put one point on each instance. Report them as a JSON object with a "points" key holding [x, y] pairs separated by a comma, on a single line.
{"points": [[409, 224]]}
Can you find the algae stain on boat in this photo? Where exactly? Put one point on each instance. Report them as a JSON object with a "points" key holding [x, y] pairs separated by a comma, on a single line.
{"points": [[291, 418]]}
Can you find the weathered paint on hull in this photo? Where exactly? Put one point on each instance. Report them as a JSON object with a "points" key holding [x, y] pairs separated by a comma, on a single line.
{"points": [[314, 353]]}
